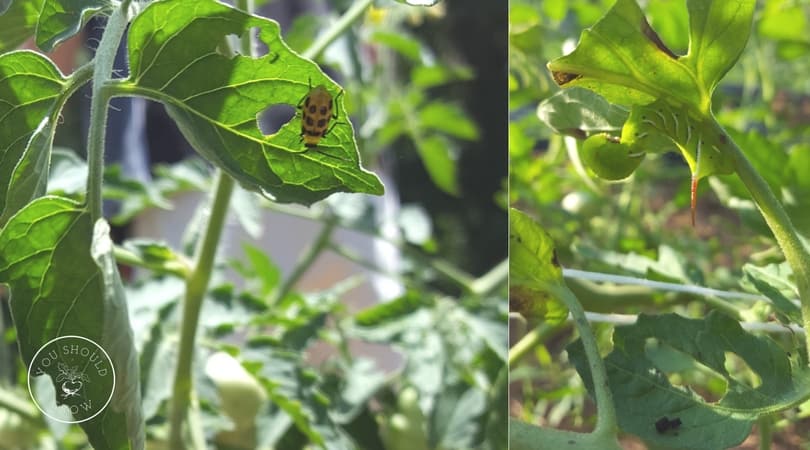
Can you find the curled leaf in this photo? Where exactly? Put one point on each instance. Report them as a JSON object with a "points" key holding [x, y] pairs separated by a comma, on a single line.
{"points": [[534, 270]]}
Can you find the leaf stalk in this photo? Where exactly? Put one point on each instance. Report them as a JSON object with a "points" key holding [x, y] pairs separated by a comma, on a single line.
{"points": [[778, 221]]}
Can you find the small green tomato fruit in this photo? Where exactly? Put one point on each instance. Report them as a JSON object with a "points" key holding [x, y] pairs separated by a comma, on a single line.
{"points": [[608, 159]]}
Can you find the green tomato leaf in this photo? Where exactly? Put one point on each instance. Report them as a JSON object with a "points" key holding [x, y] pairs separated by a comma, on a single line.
{"points": [[396, 309], [176, 58], [775, 285], [18, 23], [133, 196], [533, 270], [260, 273], [437, 156], [456, 419], [644, 395], [718, 32], [448, 119], [580, 112], [296, 391], [405, 46], [63, 281], [360, 382], [61, 19], [31, 89], [622, 58], [157, 255]]}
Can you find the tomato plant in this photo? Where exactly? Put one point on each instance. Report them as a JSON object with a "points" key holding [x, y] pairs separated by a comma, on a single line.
{"points": [[668, 361], [193, 350]]}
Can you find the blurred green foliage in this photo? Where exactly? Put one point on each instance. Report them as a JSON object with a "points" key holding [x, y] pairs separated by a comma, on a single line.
{"points": [[640, 227]]}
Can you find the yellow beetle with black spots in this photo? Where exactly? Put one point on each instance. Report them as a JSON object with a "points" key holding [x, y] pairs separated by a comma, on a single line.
{"points": [[318, 108]]}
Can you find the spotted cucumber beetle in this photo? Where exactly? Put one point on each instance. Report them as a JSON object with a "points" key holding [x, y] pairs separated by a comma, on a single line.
{"points": [[317, 109]]}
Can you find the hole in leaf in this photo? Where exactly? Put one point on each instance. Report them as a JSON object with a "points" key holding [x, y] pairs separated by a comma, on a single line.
{"points": [[231, 41], [273, 118], [741, 372], [234, 41], [681, 369]]}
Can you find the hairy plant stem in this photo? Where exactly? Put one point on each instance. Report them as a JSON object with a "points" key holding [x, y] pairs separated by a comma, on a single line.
{"points": [[196, 287], [605, 411], [103, 63], [346, 20], [778, 221], [523, 436]]}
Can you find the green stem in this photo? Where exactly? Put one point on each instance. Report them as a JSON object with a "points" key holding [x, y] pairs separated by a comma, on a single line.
{"points": [[489, 282], [79, 77], [196, 287], [524, 436], [777, 219], [305, 262], [343, 344], [605, 412], [184, 404], [540, 334], [765, 432], [103, 63], [346, 20]]}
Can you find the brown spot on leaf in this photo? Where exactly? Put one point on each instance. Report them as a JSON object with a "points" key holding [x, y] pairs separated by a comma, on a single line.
{"points": [[519, 299], [653, 36], [563, 78]]}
